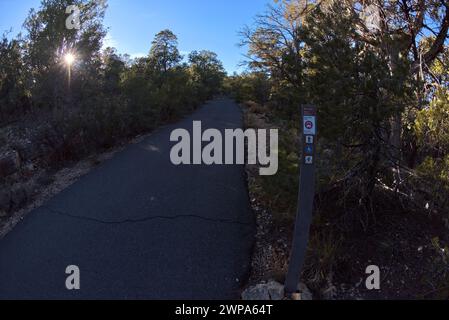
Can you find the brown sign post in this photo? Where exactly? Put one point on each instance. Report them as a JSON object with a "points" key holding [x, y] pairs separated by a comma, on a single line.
{"points": [[305, 200]]}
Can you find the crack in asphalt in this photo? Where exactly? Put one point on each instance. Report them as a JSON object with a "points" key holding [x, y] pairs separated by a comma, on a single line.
{"points": [[146, 219]]}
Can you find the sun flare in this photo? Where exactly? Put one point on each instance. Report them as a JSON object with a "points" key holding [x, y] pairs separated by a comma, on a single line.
{"points": [[69, 59]]}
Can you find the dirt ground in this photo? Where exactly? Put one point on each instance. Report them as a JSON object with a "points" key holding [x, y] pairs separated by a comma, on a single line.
{"points": [[411, 251]]}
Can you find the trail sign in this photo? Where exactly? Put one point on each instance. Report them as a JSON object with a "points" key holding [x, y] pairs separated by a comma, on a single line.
{"points": [[310, 125], [309, 139], [305, 199], [308, 149], [309, 160], [309, 120]]}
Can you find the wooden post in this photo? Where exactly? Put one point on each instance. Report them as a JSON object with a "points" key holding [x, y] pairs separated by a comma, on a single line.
{"points": [[305, 199]]}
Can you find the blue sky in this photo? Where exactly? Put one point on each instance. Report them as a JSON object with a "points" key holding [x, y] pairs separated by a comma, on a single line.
{"points": [[199, 24]]}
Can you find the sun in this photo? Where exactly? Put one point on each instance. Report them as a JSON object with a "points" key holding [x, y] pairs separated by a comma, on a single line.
{"points": [[69, 58]]}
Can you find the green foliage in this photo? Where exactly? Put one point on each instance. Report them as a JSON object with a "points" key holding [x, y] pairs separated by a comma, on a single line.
{"points": [[432, 183], [114, 67], [322, 61], [103, 96], [47, 42], [14, 97], [207, 73], [357, 95], [377, 90], [432, 124], [432, 131], [281, 190], [254, 86], [164, 53]]}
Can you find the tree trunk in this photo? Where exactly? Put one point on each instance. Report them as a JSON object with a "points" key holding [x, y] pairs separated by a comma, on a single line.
{"points": [[396, 121], [396, 136]]}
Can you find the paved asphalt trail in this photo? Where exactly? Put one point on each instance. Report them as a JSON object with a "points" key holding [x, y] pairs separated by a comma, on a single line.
{"points": [[139, 227]]}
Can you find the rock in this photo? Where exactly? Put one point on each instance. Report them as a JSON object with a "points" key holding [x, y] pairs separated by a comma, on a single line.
{"points": [[259, 292], [296, 296], [9, 163], [29, 151], [28, 169], [265, 292], [18, 197], [276, 291], [304, 292], [5, 202], [330, 293]]}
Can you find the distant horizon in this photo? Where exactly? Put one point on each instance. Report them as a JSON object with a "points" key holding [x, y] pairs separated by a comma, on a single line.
{"points": [[131, 28]]}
